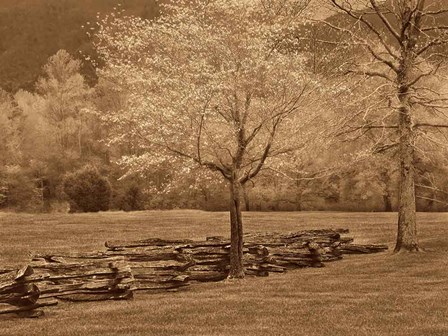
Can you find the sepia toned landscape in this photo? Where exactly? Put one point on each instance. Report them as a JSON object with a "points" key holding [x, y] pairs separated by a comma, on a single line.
{"points": [[259, 167]]}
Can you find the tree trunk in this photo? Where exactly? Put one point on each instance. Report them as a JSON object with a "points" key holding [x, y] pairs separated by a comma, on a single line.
{"points": [[46, 195], [430, 206], [407, 225], [246, 198], [80, 136], [236, 231], [385, 179], [298, 194], [387, 203]]}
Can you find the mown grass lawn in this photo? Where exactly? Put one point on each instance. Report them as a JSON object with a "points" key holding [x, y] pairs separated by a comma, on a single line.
{"points": [[383, 294]]}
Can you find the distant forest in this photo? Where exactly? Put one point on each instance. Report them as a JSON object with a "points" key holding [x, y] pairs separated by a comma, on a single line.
{"points": [[33, 30]]}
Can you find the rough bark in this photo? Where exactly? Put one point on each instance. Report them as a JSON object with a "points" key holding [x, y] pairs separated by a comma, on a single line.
{"points": [[407, 225], [236, 231]]}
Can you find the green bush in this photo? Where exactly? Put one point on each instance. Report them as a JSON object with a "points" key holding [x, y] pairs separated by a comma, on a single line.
{"points": [[87, 190]]}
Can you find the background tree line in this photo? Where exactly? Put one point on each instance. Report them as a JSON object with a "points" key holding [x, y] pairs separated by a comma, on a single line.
{"points": [[52, 127]]}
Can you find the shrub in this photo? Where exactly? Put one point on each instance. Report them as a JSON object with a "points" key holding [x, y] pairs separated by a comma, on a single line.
{"points": [[129, 198], [87, 190]]}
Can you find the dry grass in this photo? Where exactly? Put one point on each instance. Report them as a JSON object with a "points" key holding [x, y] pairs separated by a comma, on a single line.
{"points": [[381, 294]]}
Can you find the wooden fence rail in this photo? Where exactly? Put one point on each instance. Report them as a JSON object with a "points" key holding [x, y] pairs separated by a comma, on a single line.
{"points": [[19, 289], [162, 265]]}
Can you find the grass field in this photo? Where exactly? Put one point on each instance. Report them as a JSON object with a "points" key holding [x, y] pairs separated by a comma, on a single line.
{"points": [[384, 294]]}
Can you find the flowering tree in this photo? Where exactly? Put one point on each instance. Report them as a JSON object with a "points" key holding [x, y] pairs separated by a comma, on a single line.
{"points": [[208, 84]]}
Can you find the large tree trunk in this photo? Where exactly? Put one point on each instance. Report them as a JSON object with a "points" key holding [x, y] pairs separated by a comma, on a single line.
{"points": [[236, 231], [407, 225]]}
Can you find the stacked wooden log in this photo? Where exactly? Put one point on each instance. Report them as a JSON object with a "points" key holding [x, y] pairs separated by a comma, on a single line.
{"points": [[259, 262], [361, 249], [210, 260], [166, 264], [162, 265], [301, 249], [84, 276], [170, 264], [19, 290], [155, 263]]}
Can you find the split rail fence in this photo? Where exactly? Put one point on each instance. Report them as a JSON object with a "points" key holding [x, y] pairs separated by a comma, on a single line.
{"points": [[162, 265]]}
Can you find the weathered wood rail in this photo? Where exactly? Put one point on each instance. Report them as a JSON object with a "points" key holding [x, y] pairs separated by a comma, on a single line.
{"points": [[19, 289], [263, 253], [84, 277], [162, 265]]}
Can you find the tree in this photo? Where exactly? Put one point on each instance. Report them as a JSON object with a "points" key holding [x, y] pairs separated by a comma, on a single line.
{"points": [[66, 94], [18, 189], [208, 84], [11, 122], [87, 190], [401, 41], [431, 172], [57, 133], [371, 184]]}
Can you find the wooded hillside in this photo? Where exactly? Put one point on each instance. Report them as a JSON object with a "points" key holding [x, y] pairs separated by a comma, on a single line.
{"points": [[31, 31]]}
